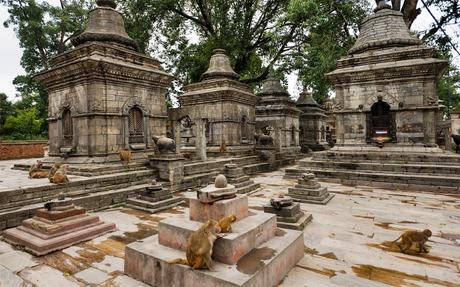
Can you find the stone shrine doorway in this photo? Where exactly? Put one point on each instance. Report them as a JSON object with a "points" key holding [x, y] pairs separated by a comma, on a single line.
{"points": [[381, 123], [136, 126], [67, 128]]}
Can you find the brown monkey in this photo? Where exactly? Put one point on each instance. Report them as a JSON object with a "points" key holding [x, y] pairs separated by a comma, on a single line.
{"points": [[35, 167], [413, 236], [39, 174], [225, 223], [199, 246], [126, 156], [53, 170], [60, 176], [223, 148]]}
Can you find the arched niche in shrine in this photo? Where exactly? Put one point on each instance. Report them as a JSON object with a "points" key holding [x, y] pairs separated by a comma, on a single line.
{"points": [[67, 128], [136, 125], [381, 122]]}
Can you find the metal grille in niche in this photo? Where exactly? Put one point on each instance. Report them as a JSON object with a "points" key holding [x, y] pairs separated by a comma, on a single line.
{"points": [[136, 126], [67, 129]]}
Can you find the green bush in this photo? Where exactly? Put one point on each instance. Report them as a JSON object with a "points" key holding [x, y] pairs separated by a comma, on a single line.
{"points": [[24, 125]]}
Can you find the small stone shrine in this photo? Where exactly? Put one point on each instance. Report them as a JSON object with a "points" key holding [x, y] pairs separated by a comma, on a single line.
{"points": [[223, 103], [167, 161], [154, 199], [309, 190], [253, 231], [278, 117], [288, 213], [312, 123], [104, 95], [58, 225], [242, 182]]}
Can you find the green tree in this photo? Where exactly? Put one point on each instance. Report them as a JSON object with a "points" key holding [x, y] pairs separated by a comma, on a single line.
{"points": [[26, 124], [6, 109]]}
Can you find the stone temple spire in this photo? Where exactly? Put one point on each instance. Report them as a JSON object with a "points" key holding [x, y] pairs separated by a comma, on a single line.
{"points": [[219, 67], [106, 25], [382, 4]]}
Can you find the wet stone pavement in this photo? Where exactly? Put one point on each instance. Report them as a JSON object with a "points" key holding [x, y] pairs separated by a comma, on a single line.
{"points": [[348, 243]]}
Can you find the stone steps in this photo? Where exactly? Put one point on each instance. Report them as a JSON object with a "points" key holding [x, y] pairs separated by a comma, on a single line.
{"points": [[417, 168], [256, 168], [154, 207], [266, 265], [392, 180], [389, 157], [93, 201]]}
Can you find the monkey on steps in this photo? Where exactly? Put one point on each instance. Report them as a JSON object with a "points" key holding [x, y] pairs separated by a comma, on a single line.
{"points": [[199, 246], [412, 236], [225, 223]]}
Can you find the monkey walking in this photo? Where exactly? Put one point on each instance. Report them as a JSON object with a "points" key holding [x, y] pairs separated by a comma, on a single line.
{"points": [[126, 156], [412, 236], [199, 246], [225, 223]]}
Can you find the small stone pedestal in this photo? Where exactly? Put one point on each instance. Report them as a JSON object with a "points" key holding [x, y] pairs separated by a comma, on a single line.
{"points": [[309, 190], [154, 199], [289, 217], [57, 226], [170, 167], [242, 182], [235, 258]]}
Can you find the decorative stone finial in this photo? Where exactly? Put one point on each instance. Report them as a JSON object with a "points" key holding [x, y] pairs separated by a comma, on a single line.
{"points": [[106, 3], [272, 87], [306, 99], [221, 181], [382, 4], [219, 66]]}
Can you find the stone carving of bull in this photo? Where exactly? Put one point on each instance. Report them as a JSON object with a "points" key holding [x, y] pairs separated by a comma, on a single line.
{"points": [[164, 144], [263, 140]]}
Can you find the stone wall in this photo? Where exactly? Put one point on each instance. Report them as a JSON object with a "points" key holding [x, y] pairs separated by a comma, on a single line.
{"points": [[21, 149]]}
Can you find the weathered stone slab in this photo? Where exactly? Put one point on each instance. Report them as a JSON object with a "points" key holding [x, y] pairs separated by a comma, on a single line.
{"points": [[237, 206], [299, 224], [265, 266], [287, 211]]}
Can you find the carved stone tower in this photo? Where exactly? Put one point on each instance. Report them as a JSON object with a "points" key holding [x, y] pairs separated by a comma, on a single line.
{"points": [[104, 96], [386, 88]]}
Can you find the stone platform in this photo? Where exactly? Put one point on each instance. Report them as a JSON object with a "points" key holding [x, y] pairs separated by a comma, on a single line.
{"points": [[309, 190], [154, 199], [255, 253], [59, 225], [243, 183], [290, 217], [427, 170]]}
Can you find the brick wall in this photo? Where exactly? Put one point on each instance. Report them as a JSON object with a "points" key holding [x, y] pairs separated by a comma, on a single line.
{"points": [[21, 149]]}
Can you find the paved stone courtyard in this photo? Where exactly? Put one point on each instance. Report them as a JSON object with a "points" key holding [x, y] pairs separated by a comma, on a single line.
{"points": [[348, 243]]}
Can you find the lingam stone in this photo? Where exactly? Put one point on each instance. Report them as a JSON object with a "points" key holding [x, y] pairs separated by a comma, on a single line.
{"points": [[288, 213], [218, 191], [154, 199], [309, 190], [281, 201]]}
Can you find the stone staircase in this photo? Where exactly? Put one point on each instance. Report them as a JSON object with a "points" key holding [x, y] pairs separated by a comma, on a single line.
{"points": [[435, 172], [92, 193]]}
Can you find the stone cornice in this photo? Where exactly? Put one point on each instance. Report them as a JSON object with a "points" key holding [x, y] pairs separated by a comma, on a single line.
{"points": [[338, 112], [217, 84], [218, 95]]}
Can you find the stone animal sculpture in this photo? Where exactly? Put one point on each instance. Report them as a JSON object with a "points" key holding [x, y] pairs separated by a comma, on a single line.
{"points": [[456, 139], [60, 177], [263, 140], [412, 236], [53, 170], [225, 223], [199, 246], [125, 157], [35, 167], [164, 144]]}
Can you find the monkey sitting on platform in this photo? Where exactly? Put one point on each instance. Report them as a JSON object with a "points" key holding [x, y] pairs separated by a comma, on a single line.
{"points": [[36, 167], [225, 223], [60, 176], [53, 170], [199, 246], [412, 236]]}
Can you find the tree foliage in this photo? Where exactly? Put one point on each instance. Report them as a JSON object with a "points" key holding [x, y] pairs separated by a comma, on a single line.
{"points": [[25, 124]]}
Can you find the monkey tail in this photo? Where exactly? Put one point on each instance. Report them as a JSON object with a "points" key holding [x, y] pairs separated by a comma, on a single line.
{"points": [[179, 261], [397, 239]]}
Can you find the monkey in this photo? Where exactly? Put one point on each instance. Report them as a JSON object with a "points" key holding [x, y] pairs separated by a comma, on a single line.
{"points": [[126, 156], [413, 236], [225, 223], [39, 174], [223, 148], [199, 246], [35, 167], [60, 176], [53, 170]]}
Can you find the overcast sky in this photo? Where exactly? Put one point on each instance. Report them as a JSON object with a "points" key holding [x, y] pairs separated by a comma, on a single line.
{"points": [[11, 52]]}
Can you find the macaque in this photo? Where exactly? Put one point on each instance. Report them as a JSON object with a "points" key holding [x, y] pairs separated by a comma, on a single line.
{"points": [[35, 167], [223, 148], [126, 156], [53, 170], [199, 246], [413, 236], [60, 177], [225, 223], [39, 174]]}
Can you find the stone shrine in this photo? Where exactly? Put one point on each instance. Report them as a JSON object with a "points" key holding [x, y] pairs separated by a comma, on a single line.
{"points": [[225, 105], [242, 182], [154, 199], [58, 225], [253, 232], [278, 117], [104, 95], [288, 214], [313, 133], [309, 190]]}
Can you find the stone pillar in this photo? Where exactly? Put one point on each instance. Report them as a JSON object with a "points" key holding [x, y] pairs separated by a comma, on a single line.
{"points": [[200, 140], [277, 140], [170, 168], [177, 136]]}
